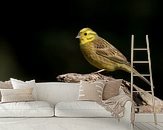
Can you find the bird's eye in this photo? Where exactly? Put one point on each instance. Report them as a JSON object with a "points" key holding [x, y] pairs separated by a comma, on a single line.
{"points": [[85, 34]]}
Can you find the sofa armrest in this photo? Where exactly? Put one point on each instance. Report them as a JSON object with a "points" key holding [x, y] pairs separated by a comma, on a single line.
{"points": [[127, 112], [126, 120]]}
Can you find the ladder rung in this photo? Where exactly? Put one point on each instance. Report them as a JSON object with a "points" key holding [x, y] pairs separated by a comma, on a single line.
{"points": [[140, 61], [143, 91], [141, 74], [137, 106], [140, 49]]}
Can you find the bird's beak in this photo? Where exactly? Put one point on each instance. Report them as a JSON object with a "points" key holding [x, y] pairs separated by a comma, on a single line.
{"points": [[78, 36]]}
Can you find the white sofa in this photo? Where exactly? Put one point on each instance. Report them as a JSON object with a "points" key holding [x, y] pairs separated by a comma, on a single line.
{"points": [[62, 115]]}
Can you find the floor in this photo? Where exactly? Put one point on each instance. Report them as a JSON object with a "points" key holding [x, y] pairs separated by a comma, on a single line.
{"points": [[146, 122], [148, 126]]}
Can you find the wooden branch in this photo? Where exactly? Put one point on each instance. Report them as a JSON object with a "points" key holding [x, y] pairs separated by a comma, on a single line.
{"points": [[74, 77], [142, 98]]}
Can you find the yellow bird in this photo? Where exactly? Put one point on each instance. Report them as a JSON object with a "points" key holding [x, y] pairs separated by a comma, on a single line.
{"points": [[101, 54]]}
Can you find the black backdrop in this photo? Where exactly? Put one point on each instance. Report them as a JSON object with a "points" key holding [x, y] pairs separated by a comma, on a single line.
{"points": [[37, 40]]}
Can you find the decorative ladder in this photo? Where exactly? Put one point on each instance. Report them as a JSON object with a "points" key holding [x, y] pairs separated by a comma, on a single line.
{"points": [[150, 72]]}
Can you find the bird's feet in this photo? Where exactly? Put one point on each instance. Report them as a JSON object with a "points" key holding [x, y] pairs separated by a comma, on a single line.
{"points": [[99, 71]]}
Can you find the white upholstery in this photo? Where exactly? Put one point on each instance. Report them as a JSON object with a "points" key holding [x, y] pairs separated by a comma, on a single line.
{"points": [[54, 92], [26, 109], [63, 124], [80, 109]]}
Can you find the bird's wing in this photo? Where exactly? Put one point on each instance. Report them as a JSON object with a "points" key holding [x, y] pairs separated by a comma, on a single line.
{"points": [[105, 49]]}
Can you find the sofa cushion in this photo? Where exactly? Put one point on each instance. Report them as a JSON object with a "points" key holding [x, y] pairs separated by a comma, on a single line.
{"points": [[80, 109], [16, 95], [26, 109], [18, 84], [111, 88], [5, 85], [91, 90]]}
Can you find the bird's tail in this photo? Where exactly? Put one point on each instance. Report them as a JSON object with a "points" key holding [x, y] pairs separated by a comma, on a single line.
{"points": [[129, 69], [140, 76]]}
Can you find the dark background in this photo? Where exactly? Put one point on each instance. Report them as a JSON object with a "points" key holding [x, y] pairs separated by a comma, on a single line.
{"points": [[37, 40]]}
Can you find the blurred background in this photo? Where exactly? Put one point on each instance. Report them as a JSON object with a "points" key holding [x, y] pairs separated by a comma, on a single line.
{"points": [[37, 40]]}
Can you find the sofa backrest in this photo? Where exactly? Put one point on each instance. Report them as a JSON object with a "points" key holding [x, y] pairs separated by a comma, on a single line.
{"points": [[55, 92]]}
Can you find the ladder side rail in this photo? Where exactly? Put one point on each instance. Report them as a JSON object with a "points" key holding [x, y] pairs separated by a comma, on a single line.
{"points": [[132, 58], [149, 60], [151, 79]]}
